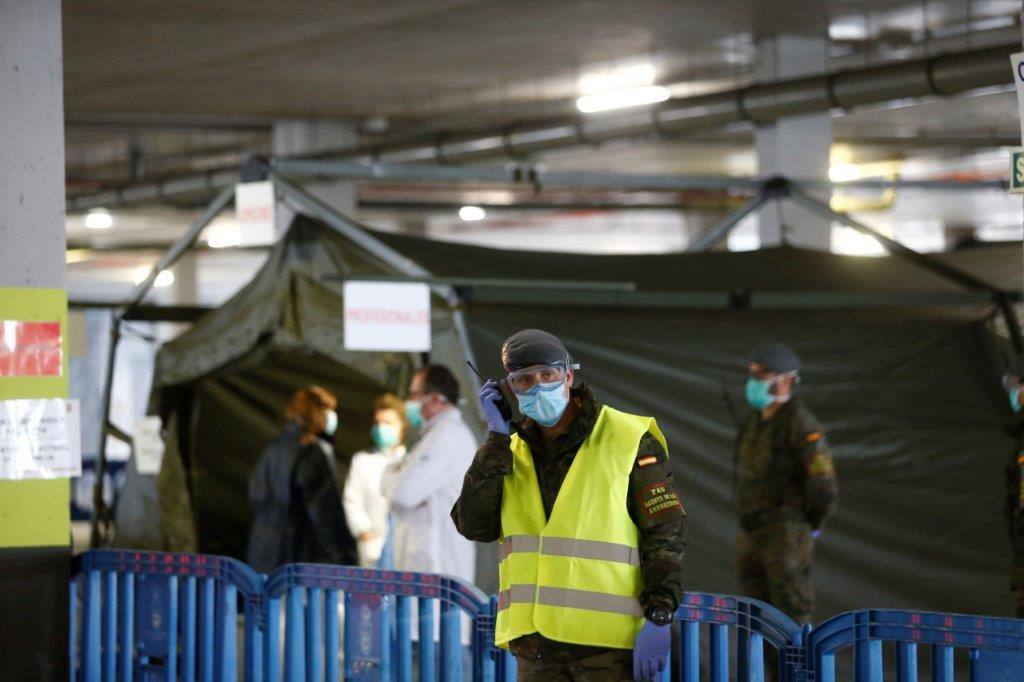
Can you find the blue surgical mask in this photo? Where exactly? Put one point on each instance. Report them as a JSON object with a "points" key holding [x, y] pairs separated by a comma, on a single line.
{"points": [[544, 404], [414, 413], [385, 436], [331, 425], [759, 393], [1015, 399]]}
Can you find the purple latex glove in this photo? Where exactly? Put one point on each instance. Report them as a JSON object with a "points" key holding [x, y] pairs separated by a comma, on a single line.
{"points": [[816, 533], [489, 397], [650, 651]]}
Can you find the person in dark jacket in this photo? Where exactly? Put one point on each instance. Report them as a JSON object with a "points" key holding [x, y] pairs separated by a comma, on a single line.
{"points": [[565, 439], [293, 490], [786, 485], [1014, 383]]}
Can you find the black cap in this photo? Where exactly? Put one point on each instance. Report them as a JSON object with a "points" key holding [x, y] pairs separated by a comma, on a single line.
{"points": [[776, 357], [1016, 367], [532, 347]]}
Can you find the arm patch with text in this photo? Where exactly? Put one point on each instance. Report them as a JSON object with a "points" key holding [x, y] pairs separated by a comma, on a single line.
{"points": [[658, 500]]}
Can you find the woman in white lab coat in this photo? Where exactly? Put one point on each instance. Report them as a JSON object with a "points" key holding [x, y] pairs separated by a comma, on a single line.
{"points": [[366, 509]]}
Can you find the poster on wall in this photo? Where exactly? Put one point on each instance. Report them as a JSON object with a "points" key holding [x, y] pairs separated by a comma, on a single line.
{"points": [[40, 439], [387, 316], [30, 349]]}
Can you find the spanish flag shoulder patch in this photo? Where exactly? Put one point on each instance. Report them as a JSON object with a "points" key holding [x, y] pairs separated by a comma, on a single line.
{"points": [[647, 460]]}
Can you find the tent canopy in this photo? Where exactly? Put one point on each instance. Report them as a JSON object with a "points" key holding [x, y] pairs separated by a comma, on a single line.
{"points": [[221, 388], [909, 397], [909, 394]]}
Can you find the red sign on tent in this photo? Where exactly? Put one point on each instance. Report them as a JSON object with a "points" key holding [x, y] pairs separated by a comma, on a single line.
{"points": [[30, 349]]}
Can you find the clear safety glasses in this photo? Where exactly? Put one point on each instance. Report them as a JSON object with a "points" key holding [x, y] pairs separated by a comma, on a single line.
{"points": [[524, 380]]}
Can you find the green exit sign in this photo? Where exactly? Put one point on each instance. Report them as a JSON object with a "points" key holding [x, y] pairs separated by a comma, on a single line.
{"points": [[1017, 171]]}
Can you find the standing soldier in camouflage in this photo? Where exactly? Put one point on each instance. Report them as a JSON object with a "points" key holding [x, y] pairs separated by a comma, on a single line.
{"points": [[786, 485], [592, 532], [1014, 383]]}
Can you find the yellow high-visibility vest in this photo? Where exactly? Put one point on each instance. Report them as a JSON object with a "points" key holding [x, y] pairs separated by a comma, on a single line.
{"points": [[574, 577]]}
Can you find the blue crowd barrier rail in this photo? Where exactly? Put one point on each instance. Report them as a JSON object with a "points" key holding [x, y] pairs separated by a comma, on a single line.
{"points": [[388, 616], [734, 624], [993, 648], [157, 616]]}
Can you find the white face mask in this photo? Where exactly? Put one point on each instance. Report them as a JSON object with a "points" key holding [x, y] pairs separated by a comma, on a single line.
{"points": [[331, 423]]}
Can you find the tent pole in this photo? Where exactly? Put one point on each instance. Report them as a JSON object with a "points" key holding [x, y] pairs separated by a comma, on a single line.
{"points": [[947, 271], [100, 513], [709, 239]]}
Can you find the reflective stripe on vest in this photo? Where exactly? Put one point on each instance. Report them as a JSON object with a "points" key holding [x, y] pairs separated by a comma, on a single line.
{"points": [[571, 547], [576, 599], [574, 575]]}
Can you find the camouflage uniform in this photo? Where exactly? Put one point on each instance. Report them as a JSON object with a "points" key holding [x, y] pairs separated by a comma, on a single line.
{"points": [[786, 487], [1015, 511], [477, 515]]}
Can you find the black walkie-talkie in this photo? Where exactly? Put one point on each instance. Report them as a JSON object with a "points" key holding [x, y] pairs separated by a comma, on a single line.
{"points": [[508, 406]]}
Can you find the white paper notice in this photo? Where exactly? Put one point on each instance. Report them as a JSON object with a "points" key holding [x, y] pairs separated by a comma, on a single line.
{"points": [[149, 445], [254, 210], [40, 439], [387, 316]]}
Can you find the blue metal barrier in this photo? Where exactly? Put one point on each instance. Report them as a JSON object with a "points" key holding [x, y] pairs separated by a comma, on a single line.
{"points": [[995, 646], [379, 607], [753, 623], [157, 616]]}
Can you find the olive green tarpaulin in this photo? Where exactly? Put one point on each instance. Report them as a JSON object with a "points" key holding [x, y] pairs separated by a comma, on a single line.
{"points": [[909, 394], [910, 398], [221, 387]]}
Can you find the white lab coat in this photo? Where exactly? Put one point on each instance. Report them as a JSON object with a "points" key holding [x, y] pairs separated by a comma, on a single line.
{"points": [[366, 509], [421, 489]]}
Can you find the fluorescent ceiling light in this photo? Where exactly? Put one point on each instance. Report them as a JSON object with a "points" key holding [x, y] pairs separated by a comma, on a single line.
{"points": [[844, 172], [617, 78], [620, 99], [99, 219], [472, 213]]}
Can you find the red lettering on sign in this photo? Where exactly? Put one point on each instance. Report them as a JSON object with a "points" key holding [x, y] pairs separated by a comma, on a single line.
{"points": [[388, 316]]}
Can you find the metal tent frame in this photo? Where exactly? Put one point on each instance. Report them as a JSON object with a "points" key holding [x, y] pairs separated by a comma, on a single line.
{"points": [[452, 292]]}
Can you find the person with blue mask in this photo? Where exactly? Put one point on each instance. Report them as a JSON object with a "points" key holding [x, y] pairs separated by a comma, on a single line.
{"points": [[592, 532], [366, 509], [1013, 382], [785, 484], [421, 487]]}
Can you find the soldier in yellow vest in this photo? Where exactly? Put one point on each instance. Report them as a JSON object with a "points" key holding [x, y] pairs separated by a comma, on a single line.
{"points": [[591, 530]]}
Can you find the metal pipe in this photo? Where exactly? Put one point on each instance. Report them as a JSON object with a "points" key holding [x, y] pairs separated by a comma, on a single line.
{"points": [[759, 104], [720, 231], [493, 283]]}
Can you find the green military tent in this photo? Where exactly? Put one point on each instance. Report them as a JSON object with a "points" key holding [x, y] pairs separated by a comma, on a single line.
{"points": [[221, 387], [901, 365]]}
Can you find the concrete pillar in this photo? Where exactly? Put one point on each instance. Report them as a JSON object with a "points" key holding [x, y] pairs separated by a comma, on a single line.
{"points": [[298, 138], [35, 531], [796, 147]]}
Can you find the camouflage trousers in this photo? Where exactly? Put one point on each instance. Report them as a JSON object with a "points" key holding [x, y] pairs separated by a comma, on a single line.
{"points": [[1017, 587], [774, 566], [610, 665]]}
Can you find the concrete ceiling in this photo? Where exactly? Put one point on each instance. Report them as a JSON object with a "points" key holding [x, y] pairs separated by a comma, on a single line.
{"points": [[158, 89]]}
